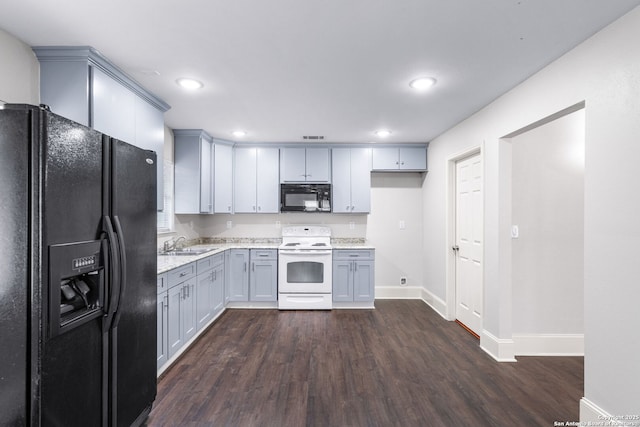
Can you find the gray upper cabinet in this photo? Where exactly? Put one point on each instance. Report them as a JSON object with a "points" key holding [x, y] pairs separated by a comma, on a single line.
{"points": [[223, 178], [305, 164], [399, 159], [79, 83], [193, 169], [256, 180], [113, 107], [351, 172]]}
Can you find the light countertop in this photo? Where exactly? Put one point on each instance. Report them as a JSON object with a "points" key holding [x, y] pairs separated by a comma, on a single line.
{"points": [[169, 262]]}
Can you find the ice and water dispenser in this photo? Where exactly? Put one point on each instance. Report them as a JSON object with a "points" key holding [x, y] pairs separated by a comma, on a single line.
{"points": [[76, 284]]}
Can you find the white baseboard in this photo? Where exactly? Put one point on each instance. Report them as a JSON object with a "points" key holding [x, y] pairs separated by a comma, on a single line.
{"points": [[252, 304], [500, 349], [437, 304], [356, 305], [398, 292], [549, 344], [592, 414], [413, 292]]}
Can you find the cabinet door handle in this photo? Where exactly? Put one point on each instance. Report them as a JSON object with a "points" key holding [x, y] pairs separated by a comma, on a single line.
{"points": [[184, 273], [355, 266], [350, 266], [166, 301], [253, 266], [244, 268]]}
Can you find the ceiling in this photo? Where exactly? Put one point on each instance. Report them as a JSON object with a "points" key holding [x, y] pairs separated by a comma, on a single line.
{"points": [[281, 69]]}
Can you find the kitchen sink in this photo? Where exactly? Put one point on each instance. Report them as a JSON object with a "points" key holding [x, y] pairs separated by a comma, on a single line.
{"points": [[189, 251]]}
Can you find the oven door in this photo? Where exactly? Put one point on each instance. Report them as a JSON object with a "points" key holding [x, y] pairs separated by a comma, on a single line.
{"points": [[304, 271]]}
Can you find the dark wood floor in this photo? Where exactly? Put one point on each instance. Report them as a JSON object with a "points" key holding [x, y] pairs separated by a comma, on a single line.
{"points": [[398, 365]]}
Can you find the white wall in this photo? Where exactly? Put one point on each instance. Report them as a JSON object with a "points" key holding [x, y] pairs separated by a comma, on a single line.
{"points": [[395, 197], [548, 208], [603, 72], [19, 73]]}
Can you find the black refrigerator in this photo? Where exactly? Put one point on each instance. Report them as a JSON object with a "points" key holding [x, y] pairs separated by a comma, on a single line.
{"points": [[77, 274]]}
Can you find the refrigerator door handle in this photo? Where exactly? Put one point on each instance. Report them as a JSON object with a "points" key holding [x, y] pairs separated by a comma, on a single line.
{"points": [[123, 268], [114, 269]]}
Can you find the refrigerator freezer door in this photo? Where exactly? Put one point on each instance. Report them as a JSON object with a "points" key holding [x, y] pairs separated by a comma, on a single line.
{"points": [[74, 362], [14, 266], [133, 352]]}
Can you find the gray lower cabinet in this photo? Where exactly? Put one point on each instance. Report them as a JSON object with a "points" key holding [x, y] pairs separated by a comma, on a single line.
{"points": [[181, 311], [210, 288], [189, 297], [227, 277], [162, 347], [253, 275], [353, 275], [238, 275], [263, 278]]}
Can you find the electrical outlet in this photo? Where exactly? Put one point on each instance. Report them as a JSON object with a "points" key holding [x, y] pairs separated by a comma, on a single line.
{"points": [[229, 224], [403, 280], [352, 225], [401, 225], [277, 224]]}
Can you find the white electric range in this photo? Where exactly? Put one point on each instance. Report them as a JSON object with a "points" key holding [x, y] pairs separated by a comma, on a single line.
{"points": [[304, 268]]}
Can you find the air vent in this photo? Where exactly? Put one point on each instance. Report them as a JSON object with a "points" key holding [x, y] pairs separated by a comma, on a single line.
{"points": [[313, 137]]}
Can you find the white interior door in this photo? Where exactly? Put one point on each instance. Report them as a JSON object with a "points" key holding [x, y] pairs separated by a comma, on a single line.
{"points": [[469, 242]]}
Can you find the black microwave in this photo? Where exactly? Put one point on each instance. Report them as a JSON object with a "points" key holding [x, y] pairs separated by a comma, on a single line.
{"points": [[305, 197]]}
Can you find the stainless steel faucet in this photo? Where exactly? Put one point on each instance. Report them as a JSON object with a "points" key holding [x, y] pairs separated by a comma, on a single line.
{"points": [[172, 245]]}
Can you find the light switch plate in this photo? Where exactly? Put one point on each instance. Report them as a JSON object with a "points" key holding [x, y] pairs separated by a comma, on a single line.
{"points": [[515, 232]]}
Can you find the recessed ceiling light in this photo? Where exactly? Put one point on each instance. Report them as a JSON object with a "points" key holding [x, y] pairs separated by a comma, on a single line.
{"points": [[422, 83], [238, 133], [382, 133], [188, 83]]}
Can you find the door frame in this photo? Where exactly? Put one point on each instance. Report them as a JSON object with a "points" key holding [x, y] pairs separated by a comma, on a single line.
{"points": [[450, 255]]}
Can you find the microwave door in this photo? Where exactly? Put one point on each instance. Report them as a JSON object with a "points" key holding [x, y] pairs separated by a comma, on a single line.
{"points": [[299, 201]]}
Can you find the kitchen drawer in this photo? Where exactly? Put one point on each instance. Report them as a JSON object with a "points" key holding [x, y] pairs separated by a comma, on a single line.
{"points": [[353, 254], [208, 263], [270, 254], [180, 274], [162, 283]]}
